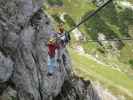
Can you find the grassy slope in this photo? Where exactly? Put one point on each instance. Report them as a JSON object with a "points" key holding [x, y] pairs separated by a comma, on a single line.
{"points": [[113, 22], [116, 81], [75, 8]]}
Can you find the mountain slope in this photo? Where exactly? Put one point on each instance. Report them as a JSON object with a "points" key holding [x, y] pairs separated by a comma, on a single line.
{"points": [[113, 22]]}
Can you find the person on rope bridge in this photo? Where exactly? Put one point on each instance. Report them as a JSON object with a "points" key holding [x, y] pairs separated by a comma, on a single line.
{"points": [[52, 61], [63, 39]]}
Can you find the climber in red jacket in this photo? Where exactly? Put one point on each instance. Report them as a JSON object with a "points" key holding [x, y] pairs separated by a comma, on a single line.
{"points": [[52, 62]]}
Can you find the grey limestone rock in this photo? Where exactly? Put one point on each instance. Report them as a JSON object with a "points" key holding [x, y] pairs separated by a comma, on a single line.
{"points": [[23, 53]]}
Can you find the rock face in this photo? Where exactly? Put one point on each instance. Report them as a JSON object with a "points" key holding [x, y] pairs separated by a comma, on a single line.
{"points": [[6, 68], [23, 54], [77, 89]]}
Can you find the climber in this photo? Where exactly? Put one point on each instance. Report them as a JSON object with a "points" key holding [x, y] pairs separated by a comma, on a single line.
{"points": [[63, 40], [52, 62], [64, 36]]}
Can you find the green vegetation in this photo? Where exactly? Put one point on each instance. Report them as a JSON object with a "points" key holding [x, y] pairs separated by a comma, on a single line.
{"points": [[114, 22], [75, 8], [131, 63], [111, 22], [13, 98], [111, 78], [57, 18], [55, 2], [69, 20]]}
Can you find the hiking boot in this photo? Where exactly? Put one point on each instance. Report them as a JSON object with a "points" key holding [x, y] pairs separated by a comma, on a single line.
{"points": [[49, 74]]}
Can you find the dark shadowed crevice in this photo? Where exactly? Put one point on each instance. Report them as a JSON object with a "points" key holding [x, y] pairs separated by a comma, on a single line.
{"points": [[70, 90]]}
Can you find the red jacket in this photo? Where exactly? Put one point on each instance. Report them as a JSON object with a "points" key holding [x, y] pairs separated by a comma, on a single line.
{"points": [[52, 48]]}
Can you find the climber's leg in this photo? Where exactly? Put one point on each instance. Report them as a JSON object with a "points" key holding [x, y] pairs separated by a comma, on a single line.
{"points": [[59, 55], [51, 65], [63, 56], [54, 63], [64, 59]]}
